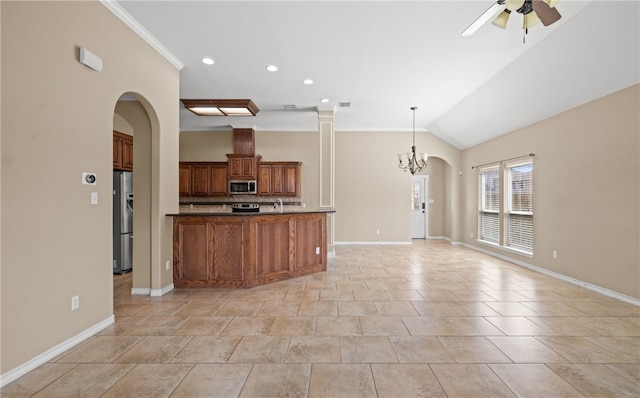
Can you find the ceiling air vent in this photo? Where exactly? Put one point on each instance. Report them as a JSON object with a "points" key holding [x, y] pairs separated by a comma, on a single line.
{"points": [[289, 107], [344, 104]]}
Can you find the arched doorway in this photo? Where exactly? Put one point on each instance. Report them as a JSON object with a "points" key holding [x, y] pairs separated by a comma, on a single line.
{"points": [[132, 118]]}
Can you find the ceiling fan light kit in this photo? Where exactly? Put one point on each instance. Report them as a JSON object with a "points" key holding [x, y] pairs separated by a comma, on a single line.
{"points": [[533, 11]]}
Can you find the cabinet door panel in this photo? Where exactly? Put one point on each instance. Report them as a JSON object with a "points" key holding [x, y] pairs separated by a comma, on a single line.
{"points": [[229, 256], [273, 247], [184, 180], [218, 183], [264, 180], [117, 152], [194, 256], [277, 180], [308, 235], [292, 180], [200, 180], [127, 153]]}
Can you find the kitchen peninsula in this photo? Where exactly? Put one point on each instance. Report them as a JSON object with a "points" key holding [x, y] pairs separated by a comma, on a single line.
{"points": [[213, 246]]}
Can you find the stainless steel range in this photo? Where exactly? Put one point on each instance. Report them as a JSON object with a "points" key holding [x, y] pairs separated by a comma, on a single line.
{"points": [[245, 208]]}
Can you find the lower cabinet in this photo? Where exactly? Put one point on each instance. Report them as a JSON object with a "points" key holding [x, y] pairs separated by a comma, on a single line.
{"points": [[249, 250]]}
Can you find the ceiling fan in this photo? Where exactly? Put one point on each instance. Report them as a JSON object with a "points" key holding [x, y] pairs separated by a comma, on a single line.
{"points": [[533, 11]]}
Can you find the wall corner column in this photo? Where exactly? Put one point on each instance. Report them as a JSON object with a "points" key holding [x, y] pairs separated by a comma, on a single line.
{"points": [[326, 175]]}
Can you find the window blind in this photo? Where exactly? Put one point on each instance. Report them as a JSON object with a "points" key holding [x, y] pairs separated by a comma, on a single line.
{"points": [[520, 207]]}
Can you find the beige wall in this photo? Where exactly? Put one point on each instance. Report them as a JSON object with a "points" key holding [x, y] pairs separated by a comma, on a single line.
{"points": [[57, 121], [373, 194], [587, 184]]}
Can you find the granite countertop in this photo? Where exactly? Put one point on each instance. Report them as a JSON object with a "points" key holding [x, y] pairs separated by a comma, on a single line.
{"points": [[218, 210]]}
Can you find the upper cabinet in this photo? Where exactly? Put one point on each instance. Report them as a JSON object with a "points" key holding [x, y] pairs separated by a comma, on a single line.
{"points": [[203, 179], [122, 151], [279, 179], [243, 167]]}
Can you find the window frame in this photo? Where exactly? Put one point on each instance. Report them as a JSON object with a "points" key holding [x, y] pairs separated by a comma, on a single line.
{"points": [[505, 207]]}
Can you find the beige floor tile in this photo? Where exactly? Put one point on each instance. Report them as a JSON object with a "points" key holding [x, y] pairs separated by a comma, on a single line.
{"points": [[35, 380], [473, 350], [404, 295], [396, 308], [149, 380], [277, 380], [595, 380], [579, 349], [122, 326], [562, 326], [203, 326], [336, 295], [623, 308], [338, 326], [370, 295], [318, 308], [472, 295], [549, 308], [273, 308], [505, 295], [357, 308], [240, 308], [198, 308], [101, 349], [341, 381], [468, 380], [86, 380], [472, 326], [367, 349], [155, 349], [248, 326], [511, 308], [534, 380], [383, 326], [159, 326], [429, 326], [626, 348], [628, 371], [207, 349], [420, 349], [321, 285], [213, 381], [405, 380], [293, 326], [313, 350], [472, 308], [517, 326], [167, 308], [260, 349], [302, 295], [608, 326], [268, 295], [526, 350], [438, 295], [434, 308], [590, 308], [351, 285]]}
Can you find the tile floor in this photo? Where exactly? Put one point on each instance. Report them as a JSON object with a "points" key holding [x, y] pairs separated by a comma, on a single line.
{"points": [[427, 320]]}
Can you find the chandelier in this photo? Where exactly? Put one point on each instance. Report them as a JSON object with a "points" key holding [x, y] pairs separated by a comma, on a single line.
{"points": [[413, 164]]}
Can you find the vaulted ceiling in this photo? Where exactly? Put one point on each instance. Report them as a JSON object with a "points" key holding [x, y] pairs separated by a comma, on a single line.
{"points": [[373, 60]]}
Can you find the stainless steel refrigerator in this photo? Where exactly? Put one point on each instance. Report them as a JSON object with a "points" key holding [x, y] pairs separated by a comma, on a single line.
{"points": [[122, 221]]}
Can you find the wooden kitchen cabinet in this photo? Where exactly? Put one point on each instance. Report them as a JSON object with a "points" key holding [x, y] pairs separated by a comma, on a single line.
{"points": [[279, 179], [122, 151], [243, 167], [203, 179]]}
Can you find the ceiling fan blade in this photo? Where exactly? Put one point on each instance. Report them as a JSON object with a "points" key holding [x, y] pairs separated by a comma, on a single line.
{"points": [[547, 15], [482, 19]]}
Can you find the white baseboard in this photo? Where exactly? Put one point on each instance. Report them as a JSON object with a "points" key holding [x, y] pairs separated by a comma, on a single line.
{"points": [[161, 292], [53, 352], [578, 282], [371, 243], [145, 291]]}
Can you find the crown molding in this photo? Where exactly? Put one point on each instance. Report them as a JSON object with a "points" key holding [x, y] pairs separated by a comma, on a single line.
{"points": [[131, 22]]}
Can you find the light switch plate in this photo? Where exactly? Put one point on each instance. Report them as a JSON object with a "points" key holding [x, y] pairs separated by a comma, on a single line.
{"points": [[94, 198]]}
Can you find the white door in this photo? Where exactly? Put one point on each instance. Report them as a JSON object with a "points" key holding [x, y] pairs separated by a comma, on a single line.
{"points": [[419, 207]]}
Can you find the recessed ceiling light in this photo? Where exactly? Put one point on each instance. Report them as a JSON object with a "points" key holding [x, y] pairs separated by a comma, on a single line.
{"points": [[325, 100], [272, 68], [308, 81], [207, 61]]}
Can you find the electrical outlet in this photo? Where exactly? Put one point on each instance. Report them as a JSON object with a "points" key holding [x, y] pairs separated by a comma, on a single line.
{"points": [[317, 249], [377, 232], [472, 234], [94, 198], [167, 265], [75, 302], [554, 254]]}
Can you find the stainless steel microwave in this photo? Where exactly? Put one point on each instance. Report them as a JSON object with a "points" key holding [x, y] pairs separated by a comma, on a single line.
{"points": [[240, 187]]}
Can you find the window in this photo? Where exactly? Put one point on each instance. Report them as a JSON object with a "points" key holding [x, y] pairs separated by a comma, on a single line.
{"points": [[506, 206]]}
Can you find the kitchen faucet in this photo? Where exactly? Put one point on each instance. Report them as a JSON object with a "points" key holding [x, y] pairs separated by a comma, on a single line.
{"points": [[281, 209]]}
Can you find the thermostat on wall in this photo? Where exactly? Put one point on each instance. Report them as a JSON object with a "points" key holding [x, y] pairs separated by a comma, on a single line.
{"points": [[89, 178]]}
